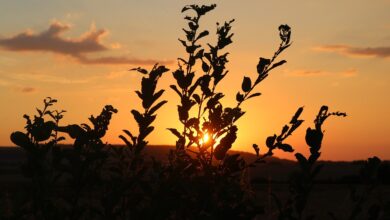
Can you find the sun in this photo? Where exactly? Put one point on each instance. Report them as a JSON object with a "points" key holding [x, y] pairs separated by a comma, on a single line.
{"points": [[205, 138]]}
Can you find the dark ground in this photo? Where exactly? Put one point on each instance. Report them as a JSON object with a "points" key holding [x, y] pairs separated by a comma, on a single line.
{"points": [[331, 193]]}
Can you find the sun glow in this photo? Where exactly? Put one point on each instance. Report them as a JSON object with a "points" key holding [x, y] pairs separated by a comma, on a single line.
{"points": [[205, 138]]}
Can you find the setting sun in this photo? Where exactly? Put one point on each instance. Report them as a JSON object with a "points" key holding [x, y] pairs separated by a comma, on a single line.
{"points": [[205, 139]]}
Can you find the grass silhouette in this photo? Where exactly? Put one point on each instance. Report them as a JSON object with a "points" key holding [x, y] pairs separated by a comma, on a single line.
{"points": [[200, 179]]}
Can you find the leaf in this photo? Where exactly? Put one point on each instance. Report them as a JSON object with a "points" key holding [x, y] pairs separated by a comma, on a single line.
{"points": [[183, 42], [137, 116], [180, 78], [20, 139], [212, 102], [204, 82], [175, 132], [192, 48], [139, 69], [40, 112], [185, 8], [189, 34], [246, 84], [43, 132], [208, 56], [175, 89], [193, 87], [156, 107], [295, 126], [270, 141], [145, 133], [182, 60], [157, 95], [193, 122], [74, 130], [261, 66], [199, 54], [189, 18], [254, 95], [193, 26], [277, 64], [129, 134], [148, 119], [205, 67], [284, 130], [50, 114], [285, 147], [126, 141], [202, 34], [197, 98], [183, 113], [294, 119], [239, 97], [225, 143], [188, 79], [313, 139], [139, 94]]}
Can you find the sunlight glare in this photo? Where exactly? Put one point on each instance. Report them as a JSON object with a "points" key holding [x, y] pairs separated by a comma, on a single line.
{"points": [[205, 138]]}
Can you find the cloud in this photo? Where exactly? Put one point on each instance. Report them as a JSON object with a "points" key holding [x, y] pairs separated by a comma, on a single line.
{"points": [[52, 40], [117, 74], [382, 52], [17, 87], [122, 60], [46, 78], [316, 73], [27, 89], [306, 73]]}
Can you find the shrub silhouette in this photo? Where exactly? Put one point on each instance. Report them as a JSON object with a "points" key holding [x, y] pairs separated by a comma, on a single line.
{"points": [[201, 180]]}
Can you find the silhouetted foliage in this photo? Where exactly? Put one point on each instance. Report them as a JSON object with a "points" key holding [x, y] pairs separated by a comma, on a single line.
{"points": [[201, 180]]}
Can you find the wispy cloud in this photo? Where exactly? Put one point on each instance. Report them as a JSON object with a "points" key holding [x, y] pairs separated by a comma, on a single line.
{"points": [[17, 87], [382, 52], [317, 73], [49, 78], [52, 40], [118, 74], [121, 60], [26, 89]]}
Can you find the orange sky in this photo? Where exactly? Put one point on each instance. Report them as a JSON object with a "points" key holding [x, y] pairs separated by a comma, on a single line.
{"points": [[79, 52]]}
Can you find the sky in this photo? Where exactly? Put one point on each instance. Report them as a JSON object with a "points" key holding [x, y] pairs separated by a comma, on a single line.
{"points": [[79, 52]]}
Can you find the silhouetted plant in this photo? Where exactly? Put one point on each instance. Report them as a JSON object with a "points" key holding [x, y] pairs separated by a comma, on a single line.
{"points": [[302, 181], [210, 160], [131, 193], [40, 143], [201, 180], [83, 164]]}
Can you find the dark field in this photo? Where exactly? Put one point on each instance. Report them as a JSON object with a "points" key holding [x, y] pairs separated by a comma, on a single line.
{"points": [[275, 169], [323, 199], [331, 193]]}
